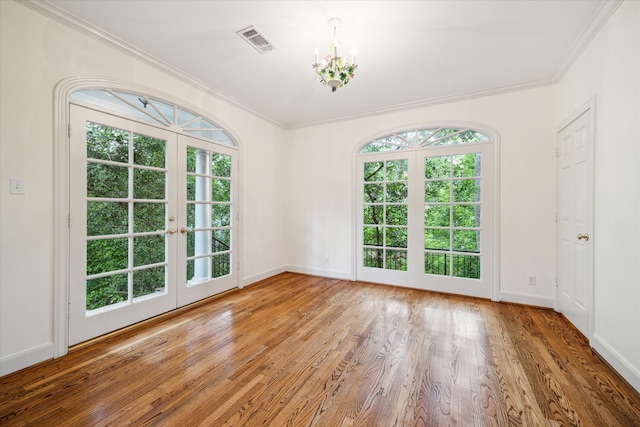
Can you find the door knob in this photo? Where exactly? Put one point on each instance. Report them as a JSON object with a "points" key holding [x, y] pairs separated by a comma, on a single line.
{"points": [[186, 230], [171, 231], [584, 236]]}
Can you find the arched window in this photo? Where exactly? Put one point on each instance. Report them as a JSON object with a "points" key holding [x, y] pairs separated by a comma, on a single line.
{"points": [[425, 210]]}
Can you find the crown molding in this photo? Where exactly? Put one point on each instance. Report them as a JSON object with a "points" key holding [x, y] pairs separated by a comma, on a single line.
{"points": [[59, 15], [606, 9], [466, 96]]}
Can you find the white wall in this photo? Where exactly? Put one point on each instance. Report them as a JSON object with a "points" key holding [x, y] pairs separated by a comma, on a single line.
{"points": [[37, 53], [610, 69], [321, 220]]}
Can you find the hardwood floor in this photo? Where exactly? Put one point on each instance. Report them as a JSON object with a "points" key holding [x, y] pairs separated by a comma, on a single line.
{"points": [[297, 350]]}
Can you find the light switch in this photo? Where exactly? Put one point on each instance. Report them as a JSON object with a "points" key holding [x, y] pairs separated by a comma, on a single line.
{"points": [[17, 186]]}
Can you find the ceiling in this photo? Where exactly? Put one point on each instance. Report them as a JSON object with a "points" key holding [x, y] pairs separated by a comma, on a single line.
{"points": [[410, 53]]}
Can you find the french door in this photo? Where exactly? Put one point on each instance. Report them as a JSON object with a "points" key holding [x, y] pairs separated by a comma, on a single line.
{"points": [[424, 219], [151, 222]]}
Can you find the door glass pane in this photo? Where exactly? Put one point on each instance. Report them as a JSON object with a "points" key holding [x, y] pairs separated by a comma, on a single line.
{"points": [[107, 143], [104, 291], [437, 191], [467, 165], [221, 265], [437, 263], [466, 215], [221, 240], [437, 238], [396, 260], [373, 236], [221, 190], [148, 281], [107, 181], [397, 170], [395, 215], [466, 240], [466, 190], [148, 250], [148, 184], [373, 193], [221, 165], [374, 171], [436, 215], [373, 214], [466, 266], [437, 167], [148, 217], [373, 257], [396, 192], [105, 255], [396, 237], [149, 151], [221, 215], [104, 218]]}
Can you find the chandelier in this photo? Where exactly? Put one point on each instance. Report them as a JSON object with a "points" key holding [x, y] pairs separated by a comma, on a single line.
{"points": [[335, 71]]}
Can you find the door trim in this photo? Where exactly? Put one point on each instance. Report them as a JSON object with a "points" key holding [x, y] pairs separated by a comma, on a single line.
{"points": [[588, 109], [61, 195]]}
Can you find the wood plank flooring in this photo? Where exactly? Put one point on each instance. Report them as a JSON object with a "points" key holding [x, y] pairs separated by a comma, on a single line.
{"points": [[297, 350]]}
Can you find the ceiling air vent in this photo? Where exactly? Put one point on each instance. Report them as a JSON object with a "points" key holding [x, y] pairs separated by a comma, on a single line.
{"points": [[256, 39]]}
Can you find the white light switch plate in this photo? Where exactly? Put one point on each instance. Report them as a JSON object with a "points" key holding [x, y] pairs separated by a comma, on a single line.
{"points": [[17, 186]]}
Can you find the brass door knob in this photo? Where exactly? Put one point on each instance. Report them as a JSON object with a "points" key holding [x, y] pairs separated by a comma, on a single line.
{"points": [[171, 231], [584, 236], [184, 230]]}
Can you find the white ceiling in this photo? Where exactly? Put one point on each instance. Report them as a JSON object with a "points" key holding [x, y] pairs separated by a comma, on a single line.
{"points": [[410, 53]]}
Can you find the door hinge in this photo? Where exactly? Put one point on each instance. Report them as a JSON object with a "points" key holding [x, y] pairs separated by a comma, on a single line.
{"points": [[556, 282], [69, 130], [69, 221]]}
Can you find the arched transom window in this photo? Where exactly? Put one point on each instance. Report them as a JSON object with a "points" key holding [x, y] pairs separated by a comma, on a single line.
{"points": [[416, 139], [154, 111]]}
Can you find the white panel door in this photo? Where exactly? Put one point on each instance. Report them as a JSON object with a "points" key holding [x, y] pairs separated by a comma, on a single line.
{"points": [[575, 222]]}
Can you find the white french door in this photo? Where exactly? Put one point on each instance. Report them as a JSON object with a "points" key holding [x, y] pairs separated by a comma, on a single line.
{"points": [[424, 219], [151, 222]]}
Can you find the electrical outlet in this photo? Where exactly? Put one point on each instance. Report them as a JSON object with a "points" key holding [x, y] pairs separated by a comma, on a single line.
{"points": [[532, 281], [17, 186]]}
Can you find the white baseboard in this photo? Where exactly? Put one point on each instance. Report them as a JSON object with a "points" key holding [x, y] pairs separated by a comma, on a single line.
{"points": [[264, 275], [630, 373], [534, 300], [319, 272], [26, 358]]}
